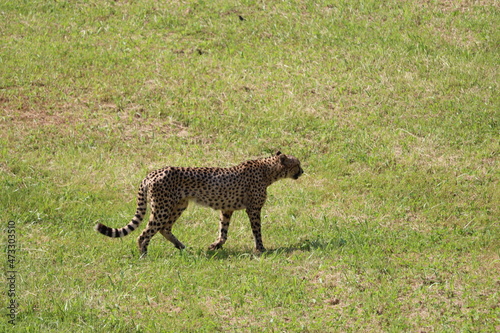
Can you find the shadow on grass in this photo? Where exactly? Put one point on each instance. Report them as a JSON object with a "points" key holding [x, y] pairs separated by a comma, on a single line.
{"points": [[306, 245]]}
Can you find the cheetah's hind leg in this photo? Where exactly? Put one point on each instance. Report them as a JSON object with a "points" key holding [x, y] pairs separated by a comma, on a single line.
{"points": [[166, 231], [225, 218], [155, 224], [146, 235]]}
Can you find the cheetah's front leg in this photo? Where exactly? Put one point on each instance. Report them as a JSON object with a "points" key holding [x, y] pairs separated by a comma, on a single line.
{"points": [[225, 217], [254, 216]]}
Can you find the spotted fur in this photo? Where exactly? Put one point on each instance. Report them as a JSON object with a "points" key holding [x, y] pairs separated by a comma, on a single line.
{"points": [[170, 189]]}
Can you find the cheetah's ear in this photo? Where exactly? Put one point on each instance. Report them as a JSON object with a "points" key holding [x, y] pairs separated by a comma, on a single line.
{"points": [[282, 157], [278, 153]]}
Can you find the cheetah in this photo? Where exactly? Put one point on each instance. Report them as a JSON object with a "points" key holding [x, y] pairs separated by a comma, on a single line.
{"points": [[170, 190]]}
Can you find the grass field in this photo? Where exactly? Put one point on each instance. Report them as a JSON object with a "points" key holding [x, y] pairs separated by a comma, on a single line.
{"points": [[392, 107]]}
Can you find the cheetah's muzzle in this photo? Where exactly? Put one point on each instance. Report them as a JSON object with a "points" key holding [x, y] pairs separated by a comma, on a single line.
{"points": [[298, 174]]}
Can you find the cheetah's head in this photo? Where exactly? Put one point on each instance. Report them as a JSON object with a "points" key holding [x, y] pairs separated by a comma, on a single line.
{"points": [[290, 166]]}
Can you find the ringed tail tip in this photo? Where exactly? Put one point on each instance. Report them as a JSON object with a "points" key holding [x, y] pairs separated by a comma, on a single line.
{"points": [[99, 227]]}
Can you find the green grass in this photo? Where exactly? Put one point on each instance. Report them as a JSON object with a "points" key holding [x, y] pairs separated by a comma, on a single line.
{"points": [[391, 106]]}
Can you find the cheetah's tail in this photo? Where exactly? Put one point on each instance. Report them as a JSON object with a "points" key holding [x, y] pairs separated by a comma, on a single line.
{"points": [[136, 220]]}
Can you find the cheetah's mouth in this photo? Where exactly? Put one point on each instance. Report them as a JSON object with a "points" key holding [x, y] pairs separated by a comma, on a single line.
{"points": [[298, 174]]}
